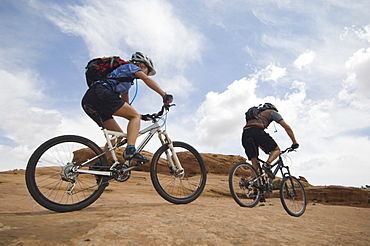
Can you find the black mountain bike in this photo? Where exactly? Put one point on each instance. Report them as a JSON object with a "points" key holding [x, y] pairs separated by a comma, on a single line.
{"points": [[248, 187]]}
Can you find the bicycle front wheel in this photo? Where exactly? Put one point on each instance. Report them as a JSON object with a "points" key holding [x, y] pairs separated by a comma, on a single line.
{"points": [[178, 187], [52, 178], [243, 184], [293, 196]]}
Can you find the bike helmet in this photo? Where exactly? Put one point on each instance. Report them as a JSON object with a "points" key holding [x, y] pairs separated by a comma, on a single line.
{"points": [[270, 106], [140, 57]]}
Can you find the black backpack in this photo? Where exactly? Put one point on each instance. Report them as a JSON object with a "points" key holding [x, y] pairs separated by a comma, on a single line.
{"points": [[98, 68], [253, 112]]}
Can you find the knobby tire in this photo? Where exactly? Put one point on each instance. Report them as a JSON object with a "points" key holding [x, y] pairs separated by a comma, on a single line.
{"points": [[293, 196], [173, 188]]}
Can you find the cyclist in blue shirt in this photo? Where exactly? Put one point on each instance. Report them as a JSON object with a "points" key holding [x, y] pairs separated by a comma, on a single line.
{"points": [[111, 98]]}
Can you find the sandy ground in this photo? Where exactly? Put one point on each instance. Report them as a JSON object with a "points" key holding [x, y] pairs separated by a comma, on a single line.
{"points": [[132, 213]]}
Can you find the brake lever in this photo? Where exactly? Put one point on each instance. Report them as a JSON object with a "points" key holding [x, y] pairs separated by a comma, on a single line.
{"points": [[167, 106], [291, 149]]}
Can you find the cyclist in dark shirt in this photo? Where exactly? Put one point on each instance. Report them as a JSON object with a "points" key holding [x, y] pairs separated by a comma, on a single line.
{"points": [[254, 136]]}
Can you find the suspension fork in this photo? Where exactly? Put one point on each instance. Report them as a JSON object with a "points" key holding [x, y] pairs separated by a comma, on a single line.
{"points": [[173, 159], [288, 175]]}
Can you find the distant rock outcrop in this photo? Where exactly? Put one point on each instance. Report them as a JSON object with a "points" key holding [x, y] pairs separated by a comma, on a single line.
{"points": [[339, 195]]}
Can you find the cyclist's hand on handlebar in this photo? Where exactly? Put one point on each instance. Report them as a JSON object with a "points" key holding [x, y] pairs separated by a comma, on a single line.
{"points": [[167, 99], [146, 117], [295, 146]]}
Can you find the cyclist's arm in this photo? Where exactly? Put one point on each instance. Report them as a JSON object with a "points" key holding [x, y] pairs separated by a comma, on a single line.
{"points": [[150, 83], [288, 130]]}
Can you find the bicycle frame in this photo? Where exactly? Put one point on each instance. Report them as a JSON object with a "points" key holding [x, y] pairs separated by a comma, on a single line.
{"points": [[112, 136], [278, 164]]}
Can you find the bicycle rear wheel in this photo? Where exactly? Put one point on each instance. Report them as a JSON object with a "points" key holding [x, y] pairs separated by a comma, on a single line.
{"points": [[293, 196], [51, 174], [178, 188], [242, 184]]}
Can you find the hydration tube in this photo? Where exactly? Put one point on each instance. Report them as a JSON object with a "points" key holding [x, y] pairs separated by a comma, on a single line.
{"points": [[136, 91], [274, 127]]}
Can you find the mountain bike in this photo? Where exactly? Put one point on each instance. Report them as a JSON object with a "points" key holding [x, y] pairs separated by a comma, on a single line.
{"points": [[59, 176], [248, 187]]}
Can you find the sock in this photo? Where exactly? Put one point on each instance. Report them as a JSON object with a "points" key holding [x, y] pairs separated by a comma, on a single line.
{"points": [[130, 149]]}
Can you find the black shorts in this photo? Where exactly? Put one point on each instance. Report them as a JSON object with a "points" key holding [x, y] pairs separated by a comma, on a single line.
{"points": [[103, 100], [253, 138]]}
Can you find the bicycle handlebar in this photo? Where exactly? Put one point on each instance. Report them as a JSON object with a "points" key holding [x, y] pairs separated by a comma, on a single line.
{"points": [[289, 149], [156, 116]]}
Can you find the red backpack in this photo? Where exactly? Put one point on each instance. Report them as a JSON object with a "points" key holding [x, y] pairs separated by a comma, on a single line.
{"points": [[98, 68]]}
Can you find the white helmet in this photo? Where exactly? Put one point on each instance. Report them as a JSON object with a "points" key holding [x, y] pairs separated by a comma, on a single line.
{"points": [[140, 57]]}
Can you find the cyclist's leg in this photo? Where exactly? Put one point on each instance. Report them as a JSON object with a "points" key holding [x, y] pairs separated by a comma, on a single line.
{"points": [[108, 104], [111, 124], [255, 163], [268, 145], [249, 147], [133, 127], [273, 154]]}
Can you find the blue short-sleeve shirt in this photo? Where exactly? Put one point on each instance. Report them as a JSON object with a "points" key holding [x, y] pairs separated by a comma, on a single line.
{"points": [[126, 70]]}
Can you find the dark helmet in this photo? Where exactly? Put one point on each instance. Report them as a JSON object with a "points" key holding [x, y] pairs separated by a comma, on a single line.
{"points": [[140, 57], [270, 106]]}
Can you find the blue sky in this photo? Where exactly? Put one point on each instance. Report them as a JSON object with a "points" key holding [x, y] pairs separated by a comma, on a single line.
{"points": [[218, 58]]}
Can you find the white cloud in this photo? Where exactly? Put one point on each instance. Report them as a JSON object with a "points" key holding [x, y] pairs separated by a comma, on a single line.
{"points": [[356, 87], [24, 122], [304, 60], [221, 115], [272, 72], [359, 73], [21, 116]]}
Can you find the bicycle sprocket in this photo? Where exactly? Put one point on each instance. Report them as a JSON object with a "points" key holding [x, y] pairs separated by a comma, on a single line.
{"points": [[119, 174]]}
